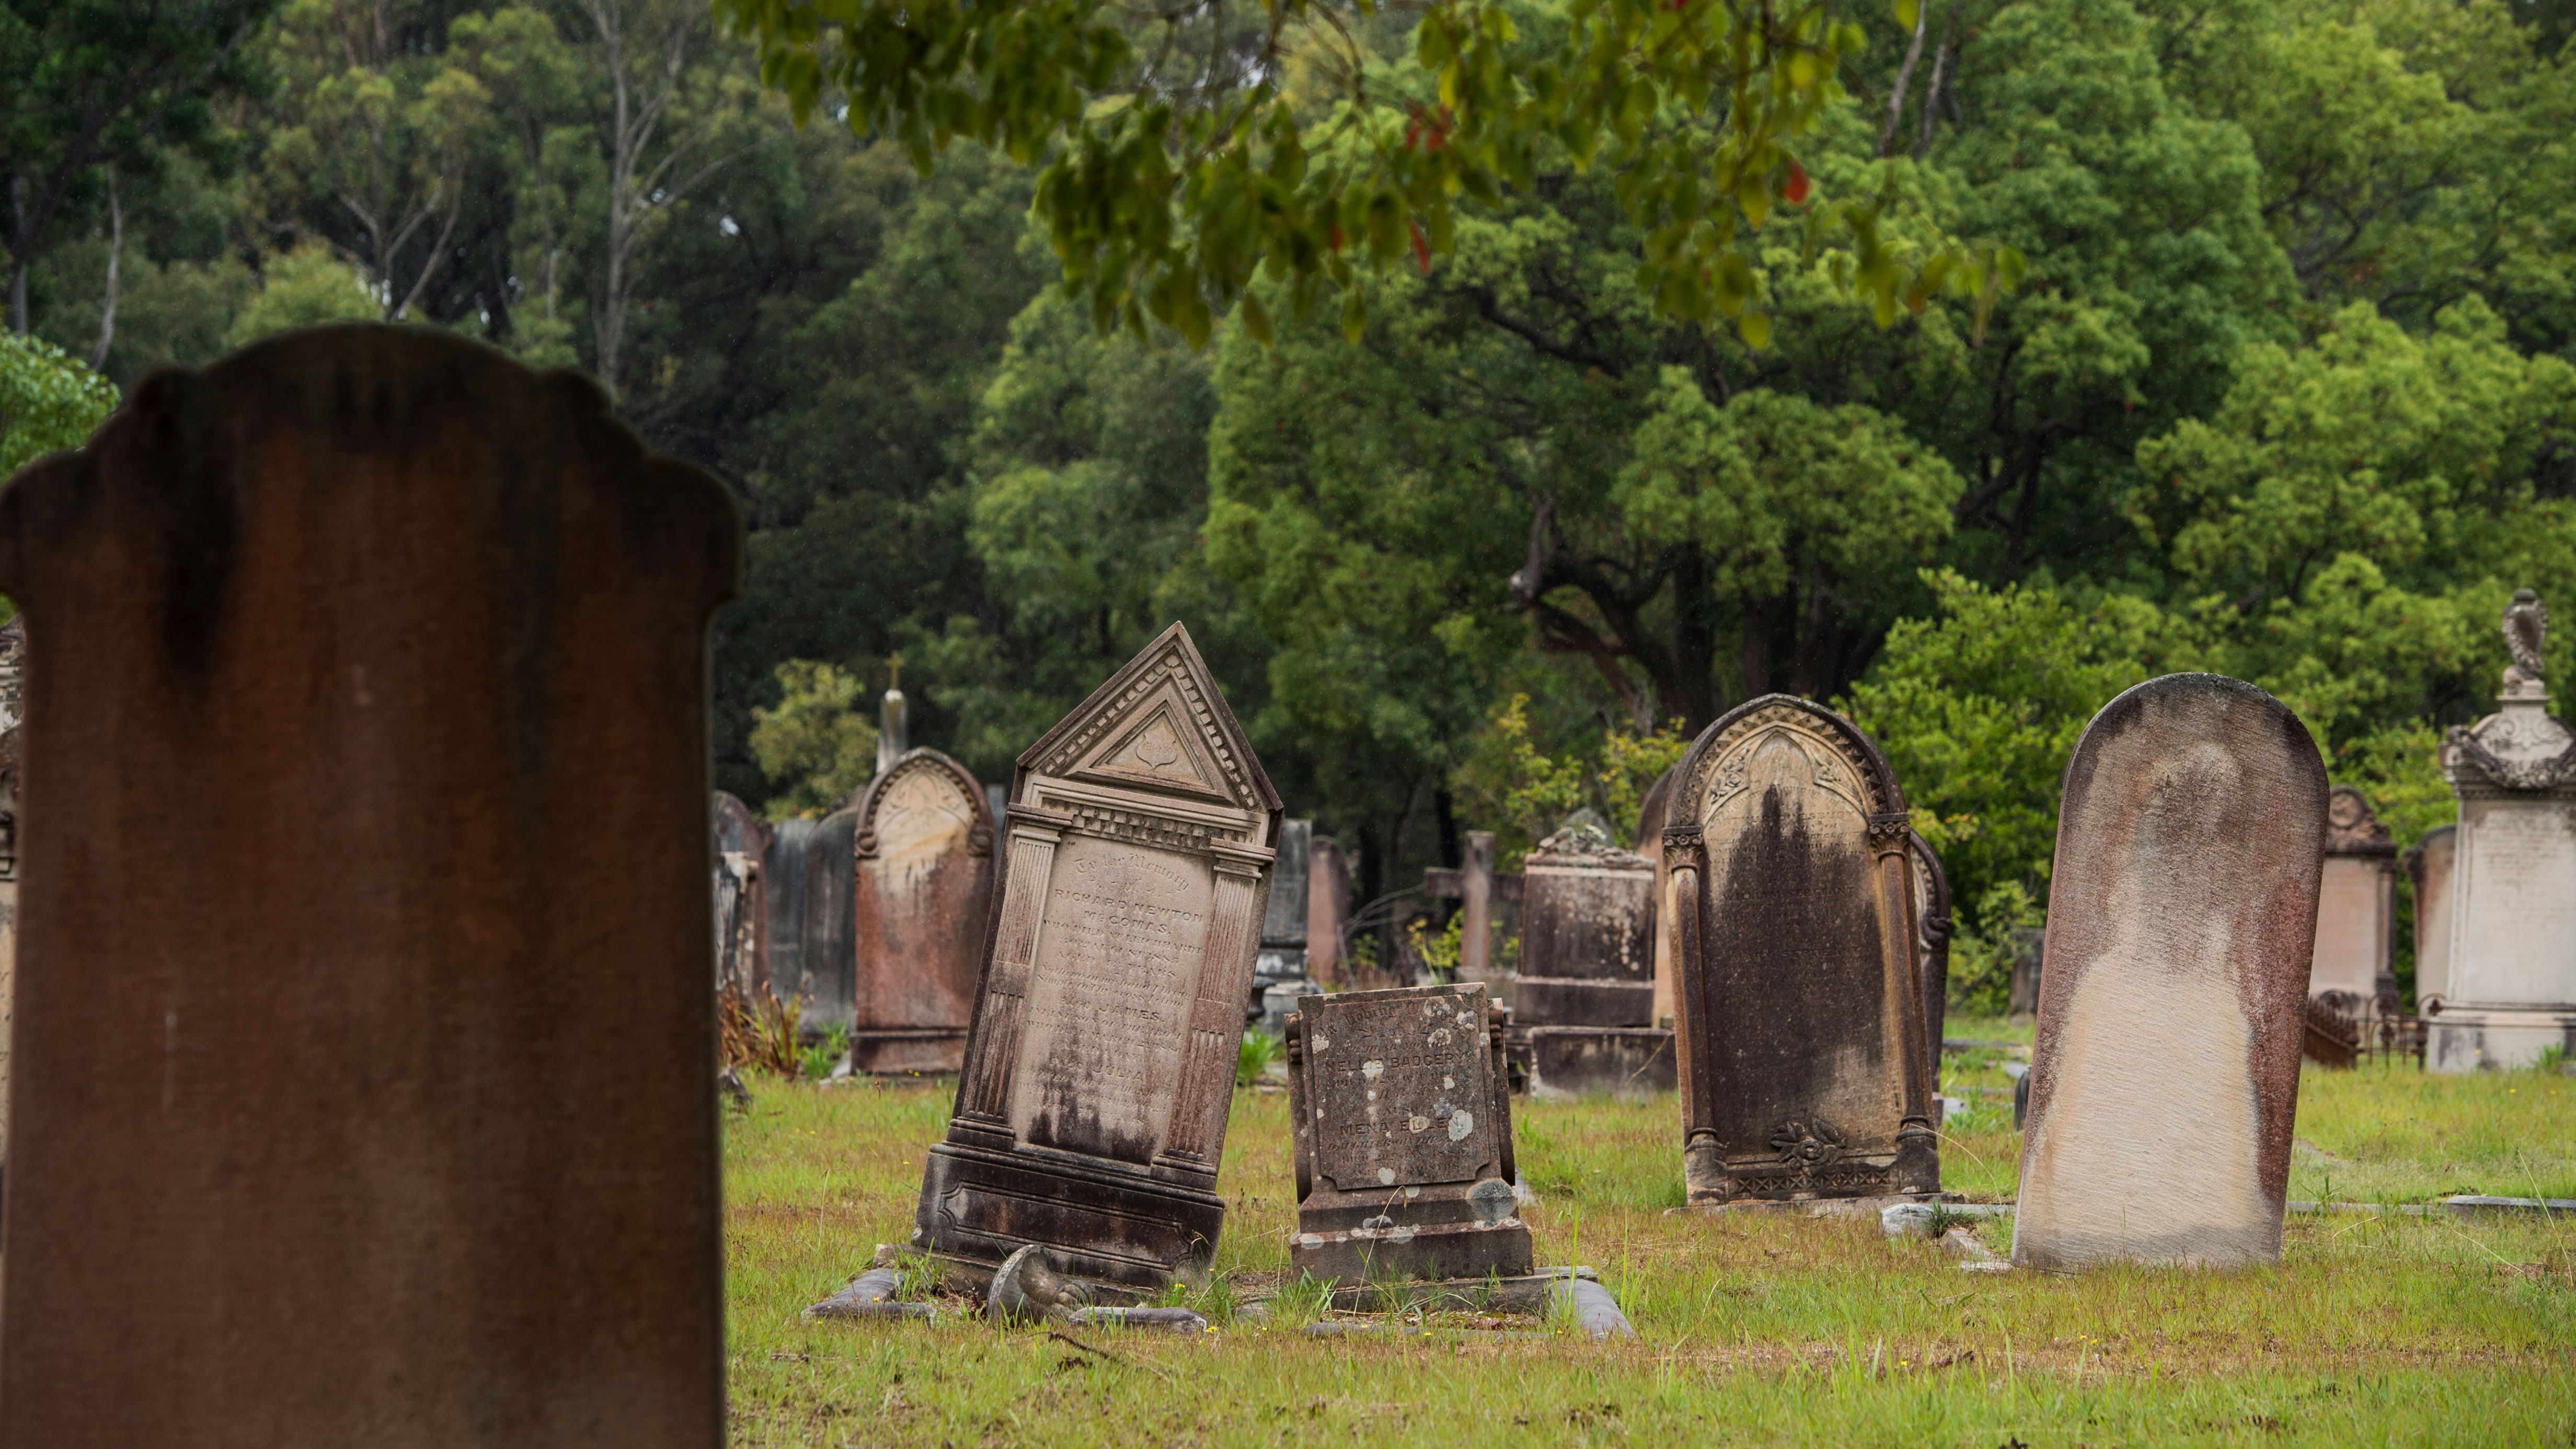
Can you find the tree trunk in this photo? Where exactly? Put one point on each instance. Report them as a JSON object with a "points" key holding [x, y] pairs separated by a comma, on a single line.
{"points": [[115, 248]]}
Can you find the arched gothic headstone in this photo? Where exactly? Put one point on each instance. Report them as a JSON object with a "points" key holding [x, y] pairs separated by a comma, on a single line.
{"points": [[924, 851]]}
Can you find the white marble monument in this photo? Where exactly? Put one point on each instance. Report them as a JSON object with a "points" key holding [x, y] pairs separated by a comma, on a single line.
{"points": [[2512, 988]]}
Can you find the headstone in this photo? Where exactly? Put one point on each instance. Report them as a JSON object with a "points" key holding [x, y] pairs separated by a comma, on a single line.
{"points": [[2027, 957], [365, 1093], [1652, 815], [1587, 967], [1403, 1138], [1802, 1027], [2512, 962], [1931, 948], [828, 924], [782, 882], [742, 902], [923, 844], [1328, 910], [1091, 1113], [2356, 899], [1279, 968], [1476, 933], [2182, 907], [2430, 863]]}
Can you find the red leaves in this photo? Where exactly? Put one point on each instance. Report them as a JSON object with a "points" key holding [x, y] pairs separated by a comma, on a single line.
{"points": [[1421, 249], [1425, 132], [1796, 191]]}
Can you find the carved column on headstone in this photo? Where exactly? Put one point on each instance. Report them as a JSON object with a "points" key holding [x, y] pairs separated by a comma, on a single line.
{"points": [[1035, 834], [1685, 867], [1891, 836], [1216, 1017]]}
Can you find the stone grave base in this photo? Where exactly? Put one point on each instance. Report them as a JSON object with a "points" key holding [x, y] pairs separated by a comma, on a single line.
{"points": [[929, 1051], [1523, 1293], [1574, 1001], [1628, 1063], [2467, 1038], [1813, 1207], [1137, 1236], [1452, 1251]]}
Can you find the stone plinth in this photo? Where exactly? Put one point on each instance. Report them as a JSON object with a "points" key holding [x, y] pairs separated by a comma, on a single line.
{"points": [[923, 845], [1801, 1021], [364, 1092], [2512, 966], [2430, 865], [2172, 1001], [1403, 1138], [2356, 900], [1630, 1063], [1091, 1112]]}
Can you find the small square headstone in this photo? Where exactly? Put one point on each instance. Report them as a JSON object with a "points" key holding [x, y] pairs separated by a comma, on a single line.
{"points": [[1404, 1138]]}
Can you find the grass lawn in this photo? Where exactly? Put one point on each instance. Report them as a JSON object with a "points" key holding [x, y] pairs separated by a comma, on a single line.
{"points": [[1759, 1330]]}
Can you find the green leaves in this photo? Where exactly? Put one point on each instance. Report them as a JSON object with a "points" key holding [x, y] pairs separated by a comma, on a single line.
{"points": [[48, 402], [1165, 196]]}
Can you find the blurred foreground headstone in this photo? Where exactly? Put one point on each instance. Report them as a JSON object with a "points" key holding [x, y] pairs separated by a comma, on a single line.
{"points": [[364, 1077], [2180, 917]]}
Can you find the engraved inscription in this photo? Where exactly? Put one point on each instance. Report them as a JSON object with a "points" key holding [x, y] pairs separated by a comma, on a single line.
{"points": [[1109, 1006], [921, 819], [1399, 1086]]}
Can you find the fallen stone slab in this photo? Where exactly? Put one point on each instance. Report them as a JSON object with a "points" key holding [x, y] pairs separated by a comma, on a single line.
{"points": [[1595, 1312], [1328, 1329], [870, 1296], [1165, 1320], [2477, 1207], [1897, 1220], [1527, 1293]]}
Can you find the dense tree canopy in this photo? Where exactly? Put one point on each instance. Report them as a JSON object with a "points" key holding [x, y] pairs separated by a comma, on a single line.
{"points": [[1500, 390]]}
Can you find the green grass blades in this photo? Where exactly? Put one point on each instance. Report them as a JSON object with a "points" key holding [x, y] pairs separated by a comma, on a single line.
{"points": [[2391, 1330]]}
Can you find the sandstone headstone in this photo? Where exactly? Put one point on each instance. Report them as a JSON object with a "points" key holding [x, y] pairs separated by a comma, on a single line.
{"points": [[1091, 1113], [2183, 904], [924, 850], [1801, 1020], [2356, 898], [1586, 972], [1932, 948], [2512, 962], [1652, 814], [1328, 910], [782, 883], [827, 923], [1403, 1138], [364, 1093], [2430, 864]]}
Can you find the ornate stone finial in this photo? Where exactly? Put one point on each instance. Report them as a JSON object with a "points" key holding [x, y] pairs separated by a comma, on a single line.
{"points": [[2526, 622], [2352, 827]]}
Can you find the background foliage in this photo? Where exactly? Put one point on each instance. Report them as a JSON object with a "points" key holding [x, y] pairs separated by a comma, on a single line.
{"points": [[1533, 428]]}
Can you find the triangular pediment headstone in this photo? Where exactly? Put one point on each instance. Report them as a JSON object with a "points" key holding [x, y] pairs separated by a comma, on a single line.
{"points": [[1158, 724]]}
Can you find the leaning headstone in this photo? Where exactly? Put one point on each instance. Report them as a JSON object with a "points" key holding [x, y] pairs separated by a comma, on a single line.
{"points": [[1587, 970], [1403, 1134], [1801, 1026], [364, 1094], [2181, 910], [2512, 962], [1931, 948], [2429, 864], [924, 850], [1091, 1114], [2356, 898]]}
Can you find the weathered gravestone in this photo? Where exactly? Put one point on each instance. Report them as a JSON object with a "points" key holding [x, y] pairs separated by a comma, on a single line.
{"points": [[1403, 1138], [1328, 909], [1585, 995], [364, 1092], [2181, 910], [2356, 898], [2512, 962], [924, 848], [1091, 1113], [742, 902], [2429, 863], [1931, 948], [1279, 967], [1801, 1020]]}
